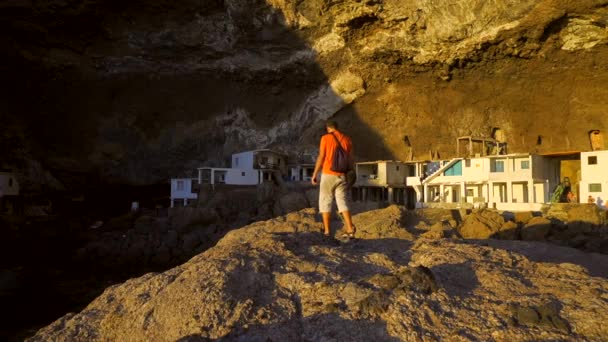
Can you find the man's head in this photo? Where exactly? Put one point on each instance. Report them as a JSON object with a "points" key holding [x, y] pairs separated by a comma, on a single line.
{"points": [[331, 126]]}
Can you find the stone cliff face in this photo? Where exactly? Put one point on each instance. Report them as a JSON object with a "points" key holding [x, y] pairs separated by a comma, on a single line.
{"points": [[138, 92]]}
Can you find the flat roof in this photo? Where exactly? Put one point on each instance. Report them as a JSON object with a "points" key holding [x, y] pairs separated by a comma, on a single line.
{"points": [[503, 155], [596, 151], [474, 138], [214, 168], [380, 161], [263, 150], [559, 153]]}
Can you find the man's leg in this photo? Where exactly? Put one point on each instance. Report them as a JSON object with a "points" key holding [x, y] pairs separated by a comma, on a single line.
{"points": [[326, 197], [349, 221], [342, 200], [326, 221]]}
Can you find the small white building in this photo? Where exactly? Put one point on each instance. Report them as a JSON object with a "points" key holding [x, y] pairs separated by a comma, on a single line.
{"points": [[506, 182], [382, 173], [382, 180], [247, 168], [183, 191], [8, 184], [301, 172], [262, 159], [594, 178], [9, 190]]}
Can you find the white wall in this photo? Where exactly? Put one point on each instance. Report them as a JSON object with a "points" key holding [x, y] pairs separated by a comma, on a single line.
{"points": [[8, 184], [477, 191], [540, 193], [294, 174], [365, 171], [478, 169], [519, 206], [396, 173], [520, 192], [499, 193], [243, 160], [242, 177], [186, 192], [594, 174], [512, 169], [276, 160]]}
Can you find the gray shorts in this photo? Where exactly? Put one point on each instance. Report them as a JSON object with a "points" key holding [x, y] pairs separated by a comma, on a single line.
{"points": [[331, 185]]}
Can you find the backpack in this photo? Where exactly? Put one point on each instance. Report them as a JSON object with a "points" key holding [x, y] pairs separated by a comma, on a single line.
{"points": [[340, 159]]}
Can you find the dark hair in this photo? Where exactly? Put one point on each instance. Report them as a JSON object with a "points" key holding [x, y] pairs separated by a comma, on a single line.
{"points": [[331, 124]]}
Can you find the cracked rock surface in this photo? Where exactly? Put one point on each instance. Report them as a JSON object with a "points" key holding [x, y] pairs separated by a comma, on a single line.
{"points": [[281, 280]]}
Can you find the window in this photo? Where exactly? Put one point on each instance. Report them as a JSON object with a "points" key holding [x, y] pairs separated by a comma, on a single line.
{"points": [[525, 164], [397, 167], [497, 166], [10, 182], [470, 193], [180, 185], [242, 174], [595, 187], [454, 170], [592, 160], [467, 163], [236, 162]]}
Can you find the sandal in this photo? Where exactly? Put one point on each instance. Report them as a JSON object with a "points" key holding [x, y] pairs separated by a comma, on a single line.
{"points": [[350, 235]]}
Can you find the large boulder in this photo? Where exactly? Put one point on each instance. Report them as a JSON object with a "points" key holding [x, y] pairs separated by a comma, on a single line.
{"points": [[191, 241], [508, 231], [146, 224], [383, 223], [291, 201], [584, 218], [482, 224], [523, 216], [182, 219], [536, 229]]}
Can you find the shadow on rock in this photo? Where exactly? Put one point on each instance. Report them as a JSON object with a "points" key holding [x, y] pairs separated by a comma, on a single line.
{"points": [[351, 260], [312, 328], [459, 279], [537, 251]]}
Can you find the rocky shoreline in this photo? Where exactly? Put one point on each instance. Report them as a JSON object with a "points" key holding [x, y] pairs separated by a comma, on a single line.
{"points": [[280, 279]]}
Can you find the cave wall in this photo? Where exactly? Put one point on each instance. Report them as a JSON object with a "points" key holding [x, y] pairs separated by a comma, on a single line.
{"points": [[137, 92]]}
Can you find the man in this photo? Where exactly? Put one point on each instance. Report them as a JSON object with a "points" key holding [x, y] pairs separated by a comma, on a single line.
{"points": [[333, 183]]}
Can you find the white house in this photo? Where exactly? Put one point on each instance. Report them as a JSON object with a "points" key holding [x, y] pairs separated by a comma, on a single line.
{"points": [[382, 173], [301, 172], [507, 182], [594, 178], [262, 159], [381, 180], [8, 184], [183, 190], [9, 188], [247, 168]]}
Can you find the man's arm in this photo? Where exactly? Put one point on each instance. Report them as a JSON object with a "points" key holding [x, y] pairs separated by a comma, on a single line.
{"points": [[318, 166]]}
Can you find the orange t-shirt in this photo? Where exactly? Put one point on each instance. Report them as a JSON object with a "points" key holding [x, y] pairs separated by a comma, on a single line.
{"points": [[329, 145]]}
